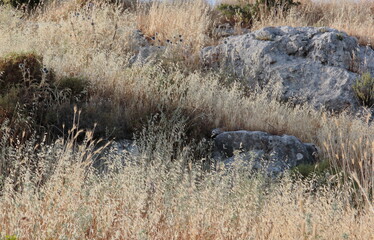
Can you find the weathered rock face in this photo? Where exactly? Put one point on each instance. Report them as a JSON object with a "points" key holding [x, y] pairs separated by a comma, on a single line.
{"points": [[306, 64], [262, 151]]}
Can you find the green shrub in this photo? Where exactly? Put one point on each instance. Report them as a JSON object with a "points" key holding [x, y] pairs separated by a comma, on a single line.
{"points": [[340, 36], [19, 69], [9, 237], [318, 169], [24, 79], [235, 13], [8, 102], [246, 13], [26, 91], [284, 4], [31, 97], [19, 73], [364, 89], [76, 85]]}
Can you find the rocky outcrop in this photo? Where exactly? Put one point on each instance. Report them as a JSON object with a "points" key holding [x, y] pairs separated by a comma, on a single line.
{"points": [[258, 151], [261, 151], [305, 64]]}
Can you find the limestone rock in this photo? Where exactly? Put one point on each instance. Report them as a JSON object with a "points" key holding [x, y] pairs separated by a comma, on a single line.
{"points": [[304, 64], [262, 151]]}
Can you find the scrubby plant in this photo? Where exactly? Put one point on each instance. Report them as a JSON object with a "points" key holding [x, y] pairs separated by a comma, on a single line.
{"points": [[364, 89], [20, 69], [76, 87], [340, 36], [236, 13], [9, 237], [245, 14], [25, 90], [31, 97], [318, 169], [286, 4], [263, 8]]}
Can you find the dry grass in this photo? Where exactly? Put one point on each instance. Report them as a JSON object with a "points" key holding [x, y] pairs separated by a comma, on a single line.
{"points": [[191, 21], [353, 17], [168, 200], [139, 202]]}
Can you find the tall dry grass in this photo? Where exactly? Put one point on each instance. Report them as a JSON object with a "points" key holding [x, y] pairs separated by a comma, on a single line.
{"points": [[74, 46], [148, 202], [191, 21], [353, 17], [152, 197]]}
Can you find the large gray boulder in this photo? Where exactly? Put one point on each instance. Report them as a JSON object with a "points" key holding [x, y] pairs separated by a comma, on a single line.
{"points": [[261, 151], [304, 64]]}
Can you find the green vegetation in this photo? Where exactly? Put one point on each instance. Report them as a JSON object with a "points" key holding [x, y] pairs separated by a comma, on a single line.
{"points": [[32, 97], [364, 89], [76, 86], [246, 13], [9, 237], [25, 91], [20, 69], [340, 36], [307, 170], [237, 14]]}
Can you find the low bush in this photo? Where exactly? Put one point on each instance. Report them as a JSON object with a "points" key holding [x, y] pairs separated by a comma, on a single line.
{"points": [[76, 87], [9, 237], [237, 14], [31, 97], [364, 89], [20, 69], [245, 14], [307, 170], [104, 115], [25, 90]]}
